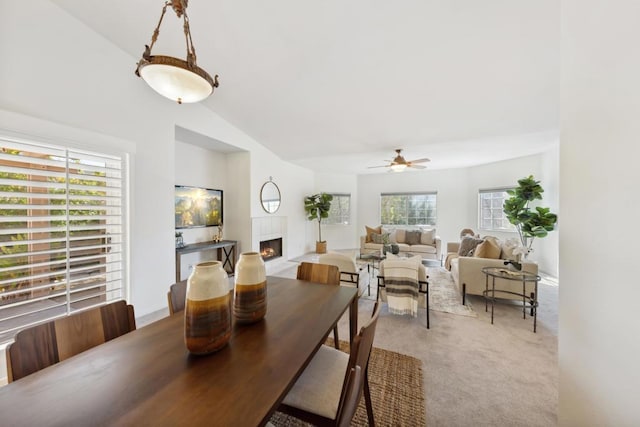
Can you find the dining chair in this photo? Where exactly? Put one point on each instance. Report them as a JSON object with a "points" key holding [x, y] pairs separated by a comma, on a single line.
{"points": [[177, 296], [43, 345], [352, 396], [321, 394], [321, 273]]}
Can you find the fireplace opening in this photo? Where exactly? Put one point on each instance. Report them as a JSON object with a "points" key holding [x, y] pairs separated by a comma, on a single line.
{"points": [[271, 249]]}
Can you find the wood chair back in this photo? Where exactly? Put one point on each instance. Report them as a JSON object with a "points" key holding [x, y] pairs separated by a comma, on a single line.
{"points": [[351, 398], [360, 354], [325, 274], [319, 273], [362, 345], [177, 297], [43, 345]]}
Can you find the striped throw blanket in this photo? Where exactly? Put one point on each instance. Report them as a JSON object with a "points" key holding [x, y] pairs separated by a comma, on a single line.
{"points": [[401, 285]]}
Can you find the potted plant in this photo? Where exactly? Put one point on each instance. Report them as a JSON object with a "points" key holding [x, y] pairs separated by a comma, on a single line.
{"points": [[317, 207], [529, 223]]}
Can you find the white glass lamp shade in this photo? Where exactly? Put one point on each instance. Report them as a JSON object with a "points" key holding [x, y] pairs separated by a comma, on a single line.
{"points": [[398, 167], [175, 81]]}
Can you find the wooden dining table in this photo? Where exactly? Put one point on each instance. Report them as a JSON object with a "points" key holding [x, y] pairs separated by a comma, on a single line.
{"points": [[147, 377]]}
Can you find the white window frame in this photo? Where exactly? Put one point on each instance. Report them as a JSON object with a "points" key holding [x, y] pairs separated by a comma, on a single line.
{"points": [[344, 218], [495, 213], [408, 222], [75, 226]]}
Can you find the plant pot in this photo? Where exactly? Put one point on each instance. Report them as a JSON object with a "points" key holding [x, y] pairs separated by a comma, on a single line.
{"points": [[321, 247]]}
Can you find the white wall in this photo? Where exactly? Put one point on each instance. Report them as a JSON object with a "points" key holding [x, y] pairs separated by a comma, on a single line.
{"points": [[457, 189], [337, 236], [294, 183], [199, 167], [544, 168], [452, 208], [599, 344], [55, 68]]}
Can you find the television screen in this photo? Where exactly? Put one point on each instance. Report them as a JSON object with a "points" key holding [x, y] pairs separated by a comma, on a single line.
{"points": [[198, 207]]}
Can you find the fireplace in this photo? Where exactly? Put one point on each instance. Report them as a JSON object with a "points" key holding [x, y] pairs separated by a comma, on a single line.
{"points": [[271, 249]]}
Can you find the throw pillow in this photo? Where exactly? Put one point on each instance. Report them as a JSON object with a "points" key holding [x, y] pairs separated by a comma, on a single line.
{"points": [[468, 245], [369, 230], [380, 238], [413, 237], [488, 249], [507, 250], [401, 236], [392, 234], [466, 232], [428, 237]]}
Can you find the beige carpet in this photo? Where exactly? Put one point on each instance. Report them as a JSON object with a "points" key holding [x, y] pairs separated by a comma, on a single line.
{"points": [[396, 387], [477, 374]]}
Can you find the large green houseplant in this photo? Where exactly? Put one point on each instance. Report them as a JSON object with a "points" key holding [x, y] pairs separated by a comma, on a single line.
{"points": [[530, 223], [317, 207]]}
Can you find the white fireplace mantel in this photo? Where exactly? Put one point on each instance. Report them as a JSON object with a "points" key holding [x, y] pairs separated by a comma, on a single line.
{"points": [[267, 228]]}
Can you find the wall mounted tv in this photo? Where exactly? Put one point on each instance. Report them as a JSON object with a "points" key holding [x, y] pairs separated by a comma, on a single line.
{"points": [[198, 207]]}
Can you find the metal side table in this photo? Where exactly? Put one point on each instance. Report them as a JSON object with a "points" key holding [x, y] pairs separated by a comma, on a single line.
{"points": [[530, 301]]}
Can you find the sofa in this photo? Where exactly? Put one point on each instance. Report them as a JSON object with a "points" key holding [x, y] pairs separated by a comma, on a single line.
{"points": [[466, 269], [420, 242]]}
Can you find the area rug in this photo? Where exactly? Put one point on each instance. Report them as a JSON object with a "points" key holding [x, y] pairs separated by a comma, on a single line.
{"points": [[444, 294], [397, 392]]}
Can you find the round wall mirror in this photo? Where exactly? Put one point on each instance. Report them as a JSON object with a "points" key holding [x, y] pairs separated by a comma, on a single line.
{"points": [[270, 197]]}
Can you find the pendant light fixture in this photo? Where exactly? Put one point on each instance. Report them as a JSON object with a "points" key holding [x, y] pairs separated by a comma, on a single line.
{"points": [[177, 79]]}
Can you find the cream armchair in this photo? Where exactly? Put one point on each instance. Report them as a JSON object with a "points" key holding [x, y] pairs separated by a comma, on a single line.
{"points": [[350, 273]]}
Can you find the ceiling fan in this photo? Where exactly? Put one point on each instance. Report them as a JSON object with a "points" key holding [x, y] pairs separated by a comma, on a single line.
{"points": [[398, 164]]}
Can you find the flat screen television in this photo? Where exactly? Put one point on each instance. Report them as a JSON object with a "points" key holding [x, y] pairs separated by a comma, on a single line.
{"points": [[198, 207]]}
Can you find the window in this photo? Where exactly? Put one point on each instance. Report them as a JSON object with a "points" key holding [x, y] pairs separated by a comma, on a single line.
{"points": [[340, 212], [61, 232], [408, 208], [490, 213]]}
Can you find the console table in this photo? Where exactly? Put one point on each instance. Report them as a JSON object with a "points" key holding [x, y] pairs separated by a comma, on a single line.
{"points": [[227, 254]]}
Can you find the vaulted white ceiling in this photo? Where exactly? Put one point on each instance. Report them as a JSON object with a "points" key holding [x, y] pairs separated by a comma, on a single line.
{"points": [[337, 85]]}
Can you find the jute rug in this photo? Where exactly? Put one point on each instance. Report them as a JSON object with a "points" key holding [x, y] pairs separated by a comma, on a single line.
{"points": [[396, 387]]}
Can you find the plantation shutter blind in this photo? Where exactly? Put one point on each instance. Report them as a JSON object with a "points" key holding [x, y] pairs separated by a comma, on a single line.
{"points": [[61, 232]]}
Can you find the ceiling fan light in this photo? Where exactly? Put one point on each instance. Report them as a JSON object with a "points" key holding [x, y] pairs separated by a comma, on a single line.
{"points": [[399, 167]]}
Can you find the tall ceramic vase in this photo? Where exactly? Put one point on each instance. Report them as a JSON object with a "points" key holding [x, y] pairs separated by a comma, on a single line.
{"points": [[250, 299], [207, 314]]}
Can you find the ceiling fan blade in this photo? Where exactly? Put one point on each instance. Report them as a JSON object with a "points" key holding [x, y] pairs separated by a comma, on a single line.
{"points": [[420, 160], [416, 166], [373, 167]]}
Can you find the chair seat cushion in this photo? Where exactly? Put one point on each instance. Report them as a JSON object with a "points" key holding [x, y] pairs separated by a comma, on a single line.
{"points": [[319, 387]]}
